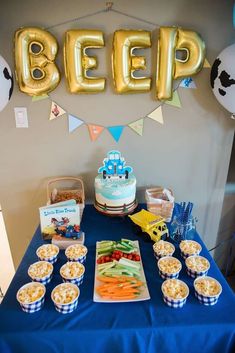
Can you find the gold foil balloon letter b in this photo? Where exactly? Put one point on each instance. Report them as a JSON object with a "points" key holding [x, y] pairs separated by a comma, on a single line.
{"points": [[169, 67], [77, 62], [35, 52], [124, 62]]}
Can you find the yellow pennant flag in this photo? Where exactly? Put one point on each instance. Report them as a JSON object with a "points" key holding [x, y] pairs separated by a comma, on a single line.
{"points": [[206, 64], [175, 100], [39, 98], [137, 126], [157, 115]]}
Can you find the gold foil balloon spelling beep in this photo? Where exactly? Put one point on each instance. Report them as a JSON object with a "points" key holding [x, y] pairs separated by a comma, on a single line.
{"points": [[35, 53], [170, 41], [124, 62], [77, 62]]}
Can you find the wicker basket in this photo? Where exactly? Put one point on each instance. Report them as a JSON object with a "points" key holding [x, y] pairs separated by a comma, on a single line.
{"points": [[66, 188], [159, 204]]}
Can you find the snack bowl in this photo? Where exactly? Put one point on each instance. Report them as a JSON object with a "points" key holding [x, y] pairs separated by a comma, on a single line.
{"points": [[41, 271], [163, 248], [72, 272], [197, 266], [48, 252], [31, 297], [175, 292], [207, 290], [169, 267], [76, 252], [65, 297], [189, 248]]}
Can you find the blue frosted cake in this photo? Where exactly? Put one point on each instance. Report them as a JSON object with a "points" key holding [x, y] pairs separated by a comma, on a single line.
{"points": [[115, 186]]}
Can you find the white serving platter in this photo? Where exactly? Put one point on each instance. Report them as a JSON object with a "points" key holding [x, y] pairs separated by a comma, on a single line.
{"points": [[144, 290]]}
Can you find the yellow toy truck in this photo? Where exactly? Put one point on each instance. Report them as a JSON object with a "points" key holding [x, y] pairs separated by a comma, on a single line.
{"points": [[150, 224]]}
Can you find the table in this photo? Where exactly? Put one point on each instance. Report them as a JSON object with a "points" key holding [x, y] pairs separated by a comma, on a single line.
{"points": [[147, 326]]}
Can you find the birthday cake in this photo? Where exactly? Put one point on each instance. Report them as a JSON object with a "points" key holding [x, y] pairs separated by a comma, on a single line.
{"points": [[115, 186]]}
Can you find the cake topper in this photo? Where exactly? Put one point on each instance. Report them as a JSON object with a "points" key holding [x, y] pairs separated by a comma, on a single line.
{"points": [[114, 166]]}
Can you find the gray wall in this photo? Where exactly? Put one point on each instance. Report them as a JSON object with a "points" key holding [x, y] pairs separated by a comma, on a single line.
{"points": [[189, 153]]}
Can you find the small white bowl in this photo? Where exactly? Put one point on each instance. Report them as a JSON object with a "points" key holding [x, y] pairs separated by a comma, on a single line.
{"points": [[76, 252], [59, 292], [48, 252], [72, 266], [168, 295], [163, 248], [194, 269], [42, 276], [204, 297], [31, 297], [189, 248], [169, 274]]}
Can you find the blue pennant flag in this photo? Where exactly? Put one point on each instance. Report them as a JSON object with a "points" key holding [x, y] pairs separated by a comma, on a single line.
{"points": [[74, 123], [116, 131]]}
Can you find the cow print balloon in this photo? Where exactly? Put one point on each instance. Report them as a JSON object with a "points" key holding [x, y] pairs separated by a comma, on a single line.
{"points": [[223, 78], [6, 83]]}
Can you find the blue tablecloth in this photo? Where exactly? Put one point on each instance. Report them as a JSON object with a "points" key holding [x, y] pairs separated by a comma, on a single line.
{"points": [[148, 326]]}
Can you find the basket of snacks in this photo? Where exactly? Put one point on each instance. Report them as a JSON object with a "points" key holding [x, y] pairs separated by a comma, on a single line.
{"points": [[160, 201], [66, 188]]}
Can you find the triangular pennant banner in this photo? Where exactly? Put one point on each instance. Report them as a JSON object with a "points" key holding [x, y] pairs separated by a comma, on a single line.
{"points": [[116, 131], [74, 122], [39, 98], [157, 115], [137, 126], [175, 100], [187, 83], [206, 64], [95, 131], [56, 111]]}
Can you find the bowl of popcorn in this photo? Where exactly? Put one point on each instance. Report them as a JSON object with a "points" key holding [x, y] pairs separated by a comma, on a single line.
{"points": [[31, 297], [189, 248], [41, 271], [163, 248], [175, 292], [169, 267], [76, 252], [207, 290], [197, 266], [72, 272], [48, 252], [65, 297]]}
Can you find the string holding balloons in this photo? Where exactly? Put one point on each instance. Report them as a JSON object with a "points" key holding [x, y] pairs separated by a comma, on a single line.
{"points": [[6, 83]]}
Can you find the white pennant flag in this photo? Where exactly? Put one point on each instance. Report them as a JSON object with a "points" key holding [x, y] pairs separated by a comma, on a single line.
{"points": [[157, 115]]}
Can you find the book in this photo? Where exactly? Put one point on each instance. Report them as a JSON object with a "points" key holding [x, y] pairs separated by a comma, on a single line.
{"points": [[62, 218], [63, 242]]}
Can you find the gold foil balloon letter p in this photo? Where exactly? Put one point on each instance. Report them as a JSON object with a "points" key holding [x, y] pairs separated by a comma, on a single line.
{"points": [[169, 67]]}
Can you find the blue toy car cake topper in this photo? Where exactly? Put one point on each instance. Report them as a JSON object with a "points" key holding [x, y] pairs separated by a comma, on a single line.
{"points": [[114, 166]]}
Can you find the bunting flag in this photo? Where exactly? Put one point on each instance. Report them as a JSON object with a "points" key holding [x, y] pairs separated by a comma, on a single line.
{"points": [[39, 98], [95, 131], [56, 111], [137, 126], [74, 122], [116, 131], [187, 83], [206, 64], [175, 100], [157, 115]]}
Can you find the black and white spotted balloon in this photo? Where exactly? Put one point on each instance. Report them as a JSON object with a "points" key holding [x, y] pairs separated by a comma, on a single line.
{"points": [[223, 78], [6, 83]]}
